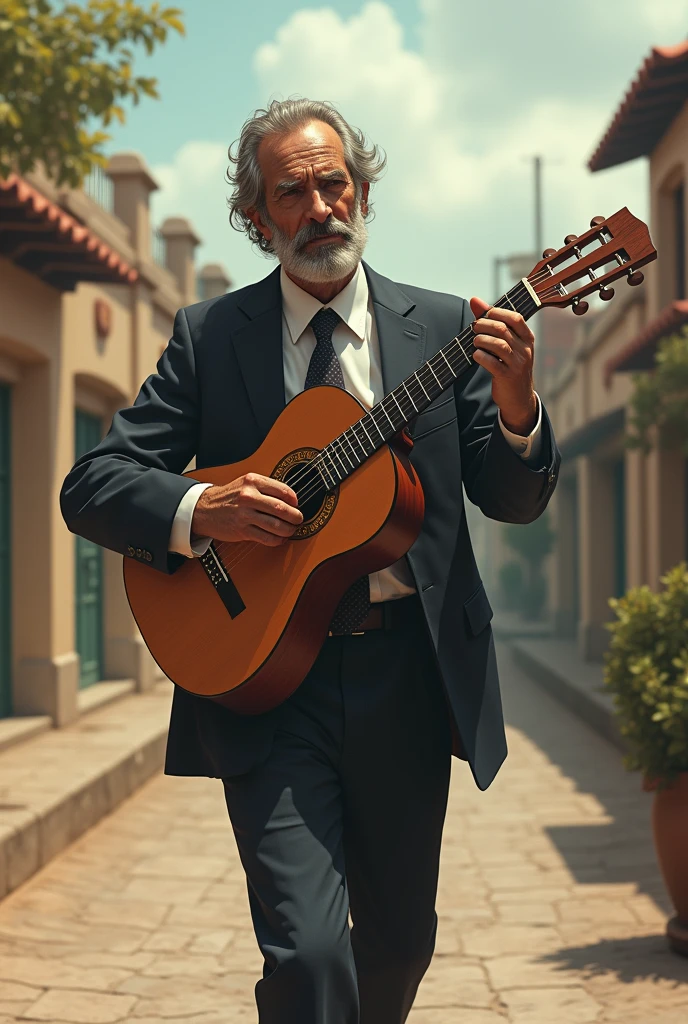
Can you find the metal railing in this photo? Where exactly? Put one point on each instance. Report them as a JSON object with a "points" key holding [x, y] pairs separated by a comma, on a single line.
{"points": [[98, 186], [159, 247]]}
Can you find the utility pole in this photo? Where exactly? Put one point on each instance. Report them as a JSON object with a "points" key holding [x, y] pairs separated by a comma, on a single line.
{"points": [[537, 167], [539, 373]]}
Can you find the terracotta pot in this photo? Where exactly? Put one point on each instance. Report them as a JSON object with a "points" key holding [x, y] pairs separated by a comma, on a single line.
{"points": [[670, 828]]}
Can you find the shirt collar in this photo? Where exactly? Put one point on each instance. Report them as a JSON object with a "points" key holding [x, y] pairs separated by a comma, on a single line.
{"points": [[351, 303]]}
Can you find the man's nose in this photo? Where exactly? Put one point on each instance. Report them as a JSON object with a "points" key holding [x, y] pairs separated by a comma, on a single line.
{"points": [[318, 210]]}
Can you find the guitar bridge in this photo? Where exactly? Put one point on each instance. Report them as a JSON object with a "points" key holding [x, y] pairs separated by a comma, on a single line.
{"points": [[224, 585]]}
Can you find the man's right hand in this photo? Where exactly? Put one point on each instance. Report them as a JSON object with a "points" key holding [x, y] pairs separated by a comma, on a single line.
{"points": [[252, 507]]}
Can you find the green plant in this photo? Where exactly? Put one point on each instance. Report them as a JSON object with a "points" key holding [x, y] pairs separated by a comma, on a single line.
{"points": [[646, 670], [660, 398], [511, 583], [62, 68]]}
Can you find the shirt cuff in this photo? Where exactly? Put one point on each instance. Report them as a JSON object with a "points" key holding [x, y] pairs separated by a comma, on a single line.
{"points": [[527, 447], [180, 534]]}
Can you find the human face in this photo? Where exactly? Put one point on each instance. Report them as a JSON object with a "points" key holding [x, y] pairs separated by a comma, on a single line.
{"points": [[313, 214]]}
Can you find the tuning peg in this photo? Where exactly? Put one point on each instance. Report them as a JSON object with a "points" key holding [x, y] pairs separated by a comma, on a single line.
{"points": [[580, 306], [606, 293], [636, 277], [570, 238], [548, 252], [596, 221]]}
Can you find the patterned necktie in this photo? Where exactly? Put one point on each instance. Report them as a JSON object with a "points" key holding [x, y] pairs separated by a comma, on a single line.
{"points": [[325, 368]]}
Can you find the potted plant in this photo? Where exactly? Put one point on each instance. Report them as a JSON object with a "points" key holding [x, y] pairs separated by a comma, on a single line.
{"points": [[646, 670]]}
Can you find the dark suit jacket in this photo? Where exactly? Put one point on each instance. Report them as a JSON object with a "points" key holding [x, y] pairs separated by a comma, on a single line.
{"points": [[218, 389]]}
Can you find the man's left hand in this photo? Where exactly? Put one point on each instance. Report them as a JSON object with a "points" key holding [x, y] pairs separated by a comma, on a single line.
{"points": [[504, 346]]}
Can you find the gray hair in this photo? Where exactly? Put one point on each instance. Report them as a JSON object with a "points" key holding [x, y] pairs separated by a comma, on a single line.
{"points": [[364, 162]]}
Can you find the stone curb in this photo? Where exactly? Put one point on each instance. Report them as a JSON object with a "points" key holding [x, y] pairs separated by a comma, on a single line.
{"points": [[42, 824], [587, 703]]}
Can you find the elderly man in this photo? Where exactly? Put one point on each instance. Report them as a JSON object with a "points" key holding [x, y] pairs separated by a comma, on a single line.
{"points": [[337, 797]]}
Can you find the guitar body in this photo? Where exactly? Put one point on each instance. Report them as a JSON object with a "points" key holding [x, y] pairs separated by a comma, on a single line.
{"points": [[254, 655]]}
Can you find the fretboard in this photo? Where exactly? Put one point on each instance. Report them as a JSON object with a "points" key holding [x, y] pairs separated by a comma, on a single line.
{"points": [[402, 405]]}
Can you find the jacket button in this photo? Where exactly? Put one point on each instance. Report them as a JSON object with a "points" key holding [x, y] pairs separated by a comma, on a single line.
{"points": [[138, 552], [149, 557], [131, 551]]}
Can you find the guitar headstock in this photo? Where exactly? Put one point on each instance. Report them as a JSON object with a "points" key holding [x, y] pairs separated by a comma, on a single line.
{"points": [[614, 247]]}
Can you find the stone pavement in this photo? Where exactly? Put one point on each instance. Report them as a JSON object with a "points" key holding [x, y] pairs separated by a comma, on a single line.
{"points": [[551, 908]]}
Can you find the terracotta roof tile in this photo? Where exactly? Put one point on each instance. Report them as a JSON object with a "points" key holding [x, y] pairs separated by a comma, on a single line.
{"points": [[72, 251], [653, 100]]}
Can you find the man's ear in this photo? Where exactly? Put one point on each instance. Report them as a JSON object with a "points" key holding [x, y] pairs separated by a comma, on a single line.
{"points": [[255, 218], [365, 190]]}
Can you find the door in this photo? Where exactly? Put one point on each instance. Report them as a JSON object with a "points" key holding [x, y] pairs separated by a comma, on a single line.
{"points": [[5, 577], [89, 573]]}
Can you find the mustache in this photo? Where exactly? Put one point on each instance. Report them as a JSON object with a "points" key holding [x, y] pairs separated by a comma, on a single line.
{"points": [[329, 227]]}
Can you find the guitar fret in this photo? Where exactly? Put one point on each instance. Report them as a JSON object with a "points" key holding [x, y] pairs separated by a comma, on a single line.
{"points": [[382, 406], [355, 453], [371, 417], [434, 374], [421, 387], [415, 407], [441, 352]]}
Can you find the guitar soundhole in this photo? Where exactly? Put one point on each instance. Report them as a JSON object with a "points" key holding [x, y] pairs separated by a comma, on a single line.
{"points": [[314, 501]]}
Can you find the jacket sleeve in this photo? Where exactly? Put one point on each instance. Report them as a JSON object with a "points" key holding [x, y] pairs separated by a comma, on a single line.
{"points": [[124, 493], [495, 477]]}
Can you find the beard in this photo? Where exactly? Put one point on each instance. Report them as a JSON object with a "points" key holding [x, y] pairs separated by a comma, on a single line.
{"points": [[328, 261]]}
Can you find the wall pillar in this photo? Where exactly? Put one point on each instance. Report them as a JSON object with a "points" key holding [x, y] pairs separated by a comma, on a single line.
{"points": [[666, 512], [565, 568], [213, 280], [133, 185], [180, 242], [46, 672], [596, 558], [636, 518]]}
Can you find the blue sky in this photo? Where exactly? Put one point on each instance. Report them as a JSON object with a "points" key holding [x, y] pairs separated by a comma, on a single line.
{"points": [[459, 94]]}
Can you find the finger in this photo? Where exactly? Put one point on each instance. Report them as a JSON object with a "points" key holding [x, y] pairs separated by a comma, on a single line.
{"points": [[275, 488], [271, 524], [514, 321], [490, 362], [498, 347], [271, 540], [496, 328], [478, 306], [262, 503]]}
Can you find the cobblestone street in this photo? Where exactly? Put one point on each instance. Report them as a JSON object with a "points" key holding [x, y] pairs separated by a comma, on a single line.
{"points": [[551, 907]]}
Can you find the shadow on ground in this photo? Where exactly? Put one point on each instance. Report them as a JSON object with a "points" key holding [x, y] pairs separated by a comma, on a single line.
{"points": [[620, 851], [642, 957]]}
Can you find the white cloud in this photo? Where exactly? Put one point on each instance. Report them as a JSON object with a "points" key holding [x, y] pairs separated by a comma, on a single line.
{"points": [[362, 65], [458, 189]]}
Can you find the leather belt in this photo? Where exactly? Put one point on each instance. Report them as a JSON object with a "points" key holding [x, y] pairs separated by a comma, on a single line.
{"points": [[402, 613]]}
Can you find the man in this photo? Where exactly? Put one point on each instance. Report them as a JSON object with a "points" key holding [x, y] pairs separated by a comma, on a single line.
{"points": [[337, 797]]}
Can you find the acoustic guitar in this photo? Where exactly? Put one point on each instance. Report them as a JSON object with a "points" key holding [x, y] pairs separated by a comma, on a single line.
{"points": [[243, 624]]}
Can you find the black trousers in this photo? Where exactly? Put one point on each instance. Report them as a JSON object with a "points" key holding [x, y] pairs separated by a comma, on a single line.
{"points": [[346, 816]]}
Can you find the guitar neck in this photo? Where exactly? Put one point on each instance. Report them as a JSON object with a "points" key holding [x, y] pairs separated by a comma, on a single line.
{"points": [[401, 406]]}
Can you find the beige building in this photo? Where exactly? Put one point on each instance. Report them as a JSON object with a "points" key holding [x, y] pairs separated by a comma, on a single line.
{"points": [[620, 515], [88, 292]]}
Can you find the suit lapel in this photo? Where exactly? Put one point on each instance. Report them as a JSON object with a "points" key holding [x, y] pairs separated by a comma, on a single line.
{"points": [[258, 347], [402, 340]]}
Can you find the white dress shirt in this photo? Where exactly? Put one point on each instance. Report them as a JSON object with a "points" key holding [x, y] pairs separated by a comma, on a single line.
{"points": [[356, 343]]}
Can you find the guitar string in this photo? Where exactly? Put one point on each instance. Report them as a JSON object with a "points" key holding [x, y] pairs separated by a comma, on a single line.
{"points": [[337, 451], [417, 393], [533, 280], [248, 546], [314, 464]]}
